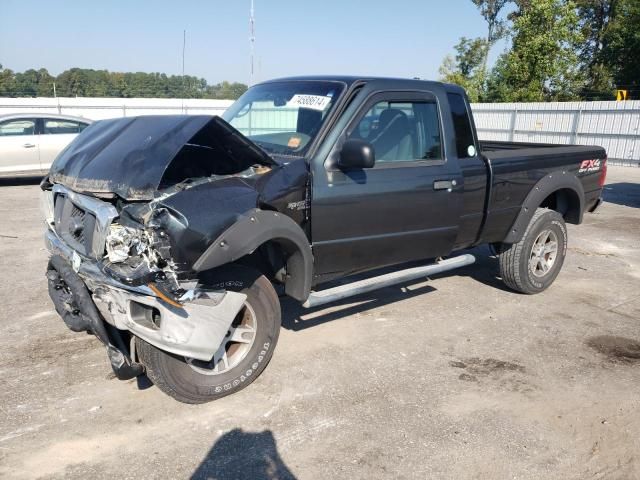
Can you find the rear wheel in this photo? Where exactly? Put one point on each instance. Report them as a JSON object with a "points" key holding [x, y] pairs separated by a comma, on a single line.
{"points": [[242, 356], [532, 264]]}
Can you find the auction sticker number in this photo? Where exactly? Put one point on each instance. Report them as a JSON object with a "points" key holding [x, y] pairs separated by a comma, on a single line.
{"points": [[314, 102]]}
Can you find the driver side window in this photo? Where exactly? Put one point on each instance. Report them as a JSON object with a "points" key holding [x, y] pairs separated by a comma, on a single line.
{"points": [[402, 131]]}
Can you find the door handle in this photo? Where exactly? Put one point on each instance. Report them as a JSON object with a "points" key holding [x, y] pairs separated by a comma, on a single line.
{"points": [[29, 145], [444, 184]]}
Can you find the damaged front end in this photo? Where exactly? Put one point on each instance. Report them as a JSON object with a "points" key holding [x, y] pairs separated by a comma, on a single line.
{"points": [[129, 209], [131, 287]]}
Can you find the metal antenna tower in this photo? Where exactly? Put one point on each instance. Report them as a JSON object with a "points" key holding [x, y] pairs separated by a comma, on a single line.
{"points": [[252, 41]]}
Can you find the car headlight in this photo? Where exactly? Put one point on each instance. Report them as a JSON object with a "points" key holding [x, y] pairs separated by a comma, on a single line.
{"points": [[46, 206], [123, 242]]}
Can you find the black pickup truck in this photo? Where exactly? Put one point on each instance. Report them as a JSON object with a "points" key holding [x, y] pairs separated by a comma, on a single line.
{"points": [[173, 237]]}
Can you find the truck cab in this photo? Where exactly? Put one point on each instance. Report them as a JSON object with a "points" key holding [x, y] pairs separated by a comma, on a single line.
{"points": [[422, 197]]}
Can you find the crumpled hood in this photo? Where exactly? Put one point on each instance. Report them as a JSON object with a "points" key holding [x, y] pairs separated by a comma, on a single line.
{"points": [[132, 157]]}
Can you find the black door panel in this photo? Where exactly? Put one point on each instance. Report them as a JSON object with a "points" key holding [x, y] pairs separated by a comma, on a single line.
{"points": [[389, 214], [386, 216]]}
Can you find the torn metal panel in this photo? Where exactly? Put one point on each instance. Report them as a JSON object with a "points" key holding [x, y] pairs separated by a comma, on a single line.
{"points": [[193, 216]]}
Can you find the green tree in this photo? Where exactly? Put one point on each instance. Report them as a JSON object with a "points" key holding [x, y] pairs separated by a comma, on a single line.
{"points": [[83, 82], [73, 83], [33, 83], [7, 82], [595, 19], [621, 46], [467, 67], [496, 28], [227, 90], [45, 83], [543, 63], [27, 83]]}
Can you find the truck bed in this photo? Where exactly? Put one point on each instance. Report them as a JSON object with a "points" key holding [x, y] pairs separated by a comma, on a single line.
{"points": [[517, 167]]}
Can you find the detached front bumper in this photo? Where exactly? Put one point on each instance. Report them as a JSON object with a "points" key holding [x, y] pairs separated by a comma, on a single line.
{"points": [[73, 303], [103, 305]]}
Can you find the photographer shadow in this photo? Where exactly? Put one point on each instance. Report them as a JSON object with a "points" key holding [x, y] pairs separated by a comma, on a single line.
{"points": [[238, 454]]}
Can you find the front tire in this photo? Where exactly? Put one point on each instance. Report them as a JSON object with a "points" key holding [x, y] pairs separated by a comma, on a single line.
{"points": [[245, 353], [532, 264]]}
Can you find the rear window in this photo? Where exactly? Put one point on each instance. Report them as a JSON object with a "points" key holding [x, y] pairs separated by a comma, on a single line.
{"points": [[462, 126]]}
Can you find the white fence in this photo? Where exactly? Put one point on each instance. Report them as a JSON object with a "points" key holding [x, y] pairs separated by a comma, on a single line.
{"points": [[101, 108], [612, 125]]}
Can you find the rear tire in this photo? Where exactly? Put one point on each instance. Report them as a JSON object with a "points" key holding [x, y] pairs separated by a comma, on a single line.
{"points": [[532, 264], [191, 381]]}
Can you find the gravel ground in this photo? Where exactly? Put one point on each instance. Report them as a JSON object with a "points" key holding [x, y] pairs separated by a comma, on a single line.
{"points": [[451, 378]]}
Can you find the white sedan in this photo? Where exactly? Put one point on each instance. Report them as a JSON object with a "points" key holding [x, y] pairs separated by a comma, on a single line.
{"points": [[30, 142]]}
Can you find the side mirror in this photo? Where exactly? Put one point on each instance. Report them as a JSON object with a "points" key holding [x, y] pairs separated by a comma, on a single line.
{"points": [[356, 154]]}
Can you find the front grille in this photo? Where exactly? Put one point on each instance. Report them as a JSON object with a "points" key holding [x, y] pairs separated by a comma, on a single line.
{"points": [[74, 225], [82, 221]]}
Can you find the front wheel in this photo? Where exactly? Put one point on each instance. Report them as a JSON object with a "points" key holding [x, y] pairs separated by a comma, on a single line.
{"points": [[532, 264], [242, 356]]}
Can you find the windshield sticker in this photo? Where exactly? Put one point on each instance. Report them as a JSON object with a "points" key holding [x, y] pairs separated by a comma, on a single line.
{"points": [[314, 102], [294, 142]]}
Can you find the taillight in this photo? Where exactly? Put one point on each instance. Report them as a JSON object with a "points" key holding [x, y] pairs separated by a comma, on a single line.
{"points": [[603, 173]]}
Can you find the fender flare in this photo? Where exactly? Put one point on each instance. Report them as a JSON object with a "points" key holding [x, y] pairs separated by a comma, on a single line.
{"points": [[251, 230], [547, 185]]}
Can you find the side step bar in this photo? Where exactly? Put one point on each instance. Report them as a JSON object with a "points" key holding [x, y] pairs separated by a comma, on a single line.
{"points": [[386, 280]]}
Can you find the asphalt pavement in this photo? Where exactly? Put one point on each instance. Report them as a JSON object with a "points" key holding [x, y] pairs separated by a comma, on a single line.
{"points": [[455, 377]]}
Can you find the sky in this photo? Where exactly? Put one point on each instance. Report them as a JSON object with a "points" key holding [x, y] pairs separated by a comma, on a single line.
{"points": [[400, 38]]}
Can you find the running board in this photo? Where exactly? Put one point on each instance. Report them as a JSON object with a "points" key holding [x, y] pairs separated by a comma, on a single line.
{"points": [[374, 283]]}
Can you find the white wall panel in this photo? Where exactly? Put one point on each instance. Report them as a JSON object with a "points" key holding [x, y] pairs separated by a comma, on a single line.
{"points": [[102, 108], [612, 125]]}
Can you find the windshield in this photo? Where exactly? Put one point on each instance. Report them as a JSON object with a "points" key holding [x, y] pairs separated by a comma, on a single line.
{"points": [[283, 118]]}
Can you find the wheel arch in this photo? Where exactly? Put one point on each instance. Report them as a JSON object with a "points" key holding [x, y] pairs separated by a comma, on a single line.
{"points": [[559, 191], [259, 228]]}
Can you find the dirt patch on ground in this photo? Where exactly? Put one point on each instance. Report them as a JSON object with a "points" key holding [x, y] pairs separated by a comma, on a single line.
{"points": [[619, 349], [45, 351], [486, 366], [589, 253], [503, 374]]}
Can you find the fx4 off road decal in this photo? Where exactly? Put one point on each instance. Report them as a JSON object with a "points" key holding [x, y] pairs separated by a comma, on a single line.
{"points": [[588, 166]]}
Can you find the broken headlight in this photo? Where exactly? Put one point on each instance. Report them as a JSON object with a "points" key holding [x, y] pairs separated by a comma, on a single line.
{"points": [[124, 243], [135, 257]]}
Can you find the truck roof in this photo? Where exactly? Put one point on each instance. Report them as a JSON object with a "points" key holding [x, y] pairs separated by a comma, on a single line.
{"points": [[351, 79]]}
